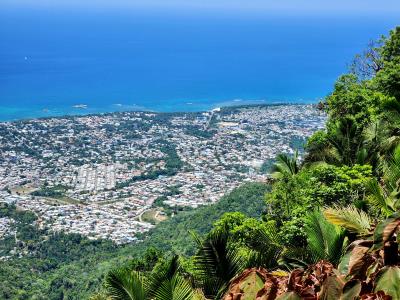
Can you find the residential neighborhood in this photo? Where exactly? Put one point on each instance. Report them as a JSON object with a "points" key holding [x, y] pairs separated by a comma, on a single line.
{"points": [[96, 175]]}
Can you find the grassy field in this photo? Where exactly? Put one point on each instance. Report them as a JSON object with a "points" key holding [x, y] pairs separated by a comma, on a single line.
{"points": [[153, 216]]}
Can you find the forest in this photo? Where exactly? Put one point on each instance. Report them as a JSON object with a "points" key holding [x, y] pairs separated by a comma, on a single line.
{"points": [[325, 227], [329, 227], [69, 266]]}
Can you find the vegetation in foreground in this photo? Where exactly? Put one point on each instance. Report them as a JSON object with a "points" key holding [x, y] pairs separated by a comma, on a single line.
{"points": [[327, 228], [67, 266], [331, 223]]}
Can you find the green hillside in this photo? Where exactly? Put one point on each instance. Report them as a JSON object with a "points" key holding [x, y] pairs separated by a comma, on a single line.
{"points": [[331, 225], [72, 267]]}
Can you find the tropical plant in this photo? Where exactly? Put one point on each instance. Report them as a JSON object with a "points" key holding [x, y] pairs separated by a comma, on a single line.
{"points": [[370, 269], [216, 263], [286, 165], [164, 283], [352, 219], [325, 240], [124, 284], [320, 150], [385, 194], [349, 250], [348, 141]]}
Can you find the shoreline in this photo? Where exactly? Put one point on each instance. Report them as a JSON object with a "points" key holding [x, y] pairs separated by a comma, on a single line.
{"points": [[222, 107]]}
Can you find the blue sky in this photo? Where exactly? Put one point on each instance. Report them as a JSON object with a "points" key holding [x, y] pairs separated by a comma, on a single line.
{"points": [[332, 7]]}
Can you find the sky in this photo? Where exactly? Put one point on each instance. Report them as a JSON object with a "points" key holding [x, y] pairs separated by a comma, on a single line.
{"points": [[335, 7]]}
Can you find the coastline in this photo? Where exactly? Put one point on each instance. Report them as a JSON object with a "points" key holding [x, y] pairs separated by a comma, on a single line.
{"points": [[86, 110]]}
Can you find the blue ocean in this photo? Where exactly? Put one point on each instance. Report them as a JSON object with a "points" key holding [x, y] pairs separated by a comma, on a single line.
{"points": [[54, 63]]}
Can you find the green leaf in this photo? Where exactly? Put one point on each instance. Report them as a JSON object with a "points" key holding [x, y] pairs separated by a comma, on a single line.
{"points": [[217, 263], [175, 289], [326, 241], [388, 281], [251, 285], [343, 266], [123, 284], [377, 198]]}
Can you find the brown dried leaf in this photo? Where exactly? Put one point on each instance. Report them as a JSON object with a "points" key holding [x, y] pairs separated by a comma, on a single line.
{"points": [[359, 262], [375, 296]]}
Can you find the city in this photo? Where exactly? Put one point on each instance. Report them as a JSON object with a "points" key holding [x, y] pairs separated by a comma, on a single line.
{"points": [[101, 175]]}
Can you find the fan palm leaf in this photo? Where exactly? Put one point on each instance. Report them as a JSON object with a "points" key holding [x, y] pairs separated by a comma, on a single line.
{"points": [[347, 139], [296, 257], [99, 296], [385, 195], [392, 170]]}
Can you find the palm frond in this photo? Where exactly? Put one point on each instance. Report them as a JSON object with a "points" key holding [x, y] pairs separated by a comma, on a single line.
{"points": [[296, 257], [216, 263], [350, 218], [362, 156], [378, 199], [177, 288], [285, 165], [392, 170], [322, 153], [266, 249], [347, 139], [325, 240], [164, 272], [123, 284]]}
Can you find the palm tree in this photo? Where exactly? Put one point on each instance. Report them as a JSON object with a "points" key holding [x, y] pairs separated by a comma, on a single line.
{"points": [[285, 165], [265, 248], [285, 168], [341, 144], [381, 139], [177, 288], [345, 143], [348, 141], [165, 283]]}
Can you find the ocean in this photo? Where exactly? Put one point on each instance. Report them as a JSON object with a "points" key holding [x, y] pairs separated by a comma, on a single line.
{"points": [[55, 63]]}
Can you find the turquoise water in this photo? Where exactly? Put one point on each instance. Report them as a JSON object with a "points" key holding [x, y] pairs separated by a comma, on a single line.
{"points": [[52, 61]]}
